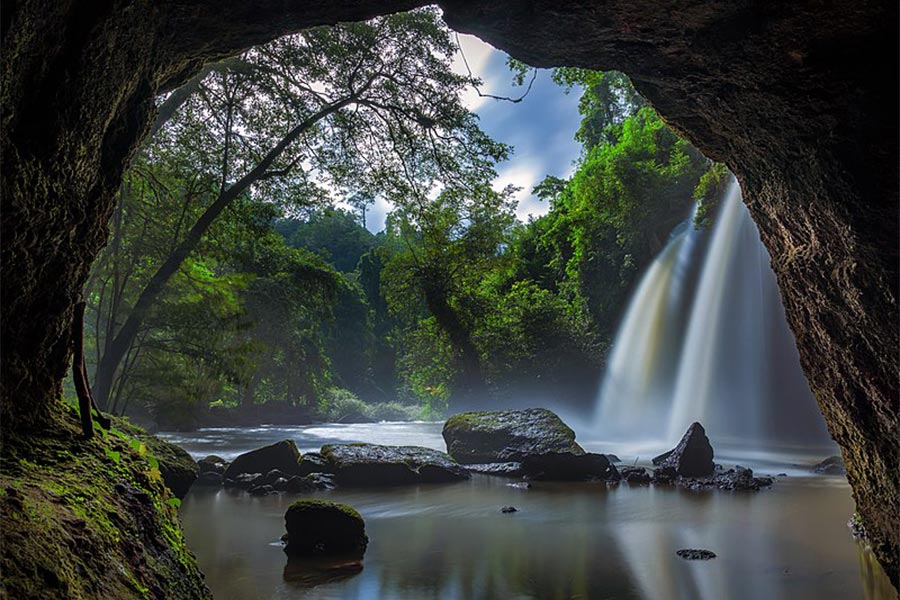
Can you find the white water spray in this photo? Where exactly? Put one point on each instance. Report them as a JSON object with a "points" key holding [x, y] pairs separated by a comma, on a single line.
{"points": [[705, 339]]}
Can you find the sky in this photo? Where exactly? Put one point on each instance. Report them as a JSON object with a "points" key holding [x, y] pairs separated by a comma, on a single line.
{"points": [[541, 128]]}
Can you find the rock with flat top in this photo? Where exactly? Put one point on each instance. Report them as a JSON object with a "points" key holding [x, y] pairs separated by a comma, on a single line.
{"points": [[507, 435], [375, 465]]}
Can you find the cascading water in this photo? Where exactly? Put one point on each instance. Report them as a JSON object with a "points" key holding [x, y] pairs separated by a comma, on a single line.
{"points": [[705, 339]]}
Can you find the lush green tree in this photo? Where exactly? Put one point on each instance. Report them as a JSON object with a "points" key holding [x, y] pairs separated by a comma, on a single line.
{"points": [[366, 108], [337, 235], [446, 246]]}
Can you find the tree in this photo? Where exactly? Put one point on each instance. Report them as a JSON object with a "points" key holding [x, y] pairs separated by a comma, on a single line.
{"points": [[373, 107], [445, 247]]}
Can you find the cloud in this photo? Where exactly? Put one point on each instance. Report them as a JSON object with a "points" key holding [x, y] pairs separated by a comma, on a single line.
{"points": [[477, 55]]}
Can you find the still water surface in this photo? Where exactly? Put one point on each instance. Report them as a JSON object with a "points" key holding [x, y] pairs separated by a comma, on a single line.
{"points": [[568, 540]]}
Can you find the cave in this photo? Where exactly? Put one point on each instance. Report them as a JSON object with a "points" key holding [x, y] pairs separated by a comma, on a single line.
{"points": [[800, 100]]}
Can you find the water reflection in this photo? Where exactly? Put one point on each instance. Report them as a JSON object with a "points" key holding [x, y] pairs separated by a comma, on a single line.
{"points": [[567, 541]]}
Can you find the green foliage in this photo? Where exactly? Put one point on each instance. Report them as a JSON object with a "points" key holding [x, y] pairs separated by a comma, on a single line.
{"points": [[708, 193]]}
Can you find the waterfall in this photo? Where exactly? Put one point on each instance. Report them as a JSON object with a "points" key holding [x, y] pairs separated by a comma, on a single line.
{"points": [[705, 339]]}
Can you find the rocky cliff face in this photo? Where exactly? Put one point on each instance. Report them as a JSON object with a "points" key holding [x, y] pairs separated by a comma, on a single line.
{"points": [[800, 99]]}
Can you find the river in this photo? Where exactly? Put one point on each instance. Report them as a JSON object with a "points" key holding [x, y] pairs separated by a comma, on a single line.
{"points": [[567, 540]]}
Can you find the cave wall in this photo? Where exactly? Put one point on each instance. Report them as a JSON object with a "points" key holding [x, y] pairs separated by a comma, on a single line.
{"points": [[799, 99]]}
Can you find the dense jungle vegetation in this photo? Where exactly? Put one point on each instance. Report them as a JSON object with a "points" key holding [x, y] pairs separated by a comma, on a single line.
{"points": [[241, 279]]}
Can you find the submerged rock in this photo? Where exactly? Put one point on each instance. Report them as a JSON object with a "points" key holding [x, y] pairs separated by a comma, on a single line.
{"points": [[567, 466], [695, 554], [505, 469], [372, 465], [833, 465], [509, 509], [692, 457], [635, 475], [507, 435], [282, 455], [319, 527]]}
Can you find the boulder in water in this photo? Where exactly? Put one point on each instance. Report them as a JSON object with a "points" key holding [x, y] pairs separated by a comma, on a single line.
{"points": [[373, 465], [212, 464], [319, 527], [692, 457], [282, 455], [507, 435], [567, 466], [833, 465]]}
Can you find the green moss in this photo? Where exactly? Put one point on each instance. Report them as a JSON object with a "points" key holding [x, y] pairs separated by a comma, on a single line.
{"points": [[78, 523], [312, 504], [708, 192]]}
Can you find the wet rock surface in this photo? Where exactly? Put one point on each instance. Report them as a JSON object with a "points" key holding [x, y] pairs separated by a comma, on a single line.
{"points": [[692, 457], [322, 528], [567, 466], [376, 465], [695, 554], [507, 435], [282, 455], [505, 469]]}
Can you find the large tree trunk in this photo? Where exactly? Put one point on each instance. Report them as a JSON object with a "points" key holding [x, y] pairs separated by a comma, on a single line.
{"points": [[799, 98]]}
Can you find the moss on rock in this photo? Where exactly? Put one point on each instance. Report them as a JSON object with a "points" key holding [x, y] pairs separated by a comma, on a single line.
{"points": [[507, 435], [320, 527], [89, 519]]}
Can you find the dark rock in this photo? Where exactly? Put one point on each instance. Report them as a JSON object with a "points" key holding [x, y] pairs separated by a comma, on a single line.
{"points": [[833, 465], [209, 479], [566, 466], [262, 490], [177, 467], [313, 462], [782, 475], [692, 457], [274, 475], [244, 481], [298, 485], [509, 509], [373, 465], [737, 479], [507, 435], [319, 527], [212, 464], [506, 469], [320, 481], [613, 458], [635, 475], [282, 455], [664, 475], [280, 484], [695, 554]]}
